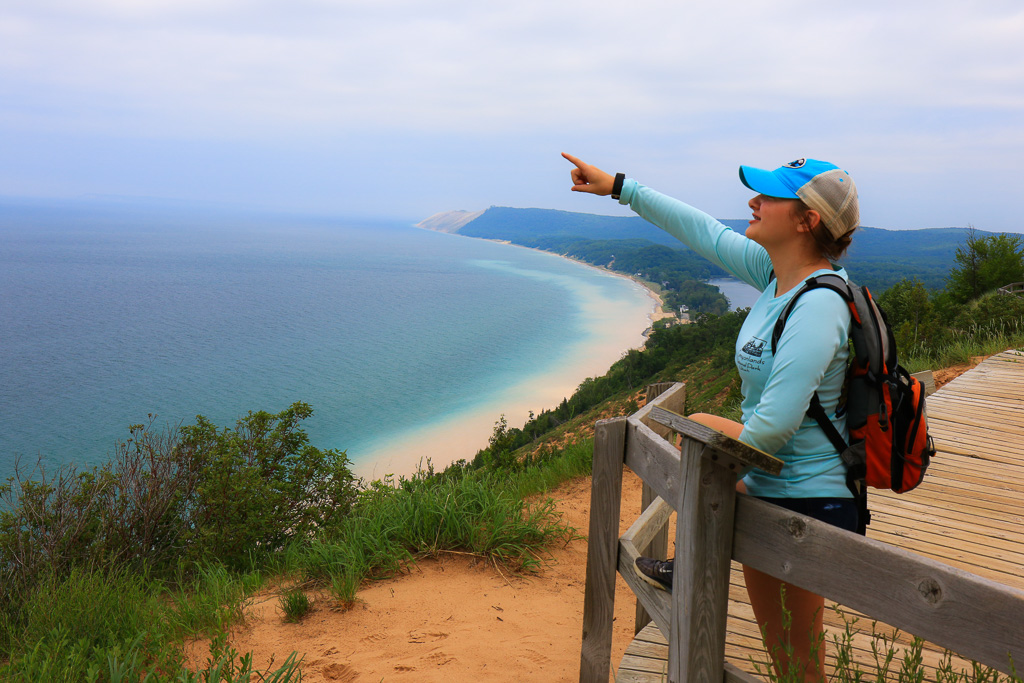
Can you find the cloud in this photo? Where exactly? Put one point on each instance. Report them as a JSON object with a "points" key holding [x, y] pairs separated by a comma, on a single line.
{"points": [[921, 87], [481, 66]]}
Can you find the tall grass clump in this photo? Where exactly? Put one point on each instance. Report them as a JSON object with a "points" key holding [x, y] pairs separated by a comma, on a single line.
{"points": [[548, 467], [394, 523], [295, 605]]}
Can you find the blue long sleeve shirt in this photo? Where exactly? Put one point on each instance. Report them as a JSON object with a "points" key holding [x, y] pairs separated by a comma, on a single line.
{"points": [[810, 356]]}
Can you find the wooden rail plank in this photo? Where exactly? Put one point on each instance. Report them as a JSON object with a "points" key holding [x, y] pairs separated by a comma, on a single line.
{"points": [[968, 614], [653, 459], [671, 396], [734, 455]]}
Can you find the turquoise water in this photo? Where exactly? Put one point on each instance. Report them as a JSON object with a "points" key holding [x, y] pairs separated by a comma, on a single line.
{"points": [[112, 315]]}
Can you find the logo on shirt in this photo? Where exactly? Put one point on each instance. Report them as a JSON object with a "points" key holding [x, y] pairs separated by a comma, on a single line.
{"points": [[754, 347]]}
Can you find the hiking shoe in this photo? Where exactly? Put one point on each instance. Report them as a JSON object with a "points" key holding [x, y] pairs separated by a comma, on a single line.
{"points": [[658, 573]]}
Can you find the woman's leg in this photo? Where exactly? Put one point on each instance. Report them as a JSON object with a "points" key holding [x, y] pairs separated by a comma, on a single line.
{"points": [[805, 608], [805, 629]]}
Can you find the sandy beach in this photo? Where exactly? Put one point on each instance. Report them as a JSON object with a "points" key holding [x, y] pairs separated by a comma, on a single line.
{"points": [[610, 334]]}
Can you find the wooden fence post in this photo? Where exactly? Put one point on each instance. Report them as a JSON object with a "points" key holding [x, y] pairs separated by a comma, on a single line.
{"points": [[700, 588], [602, 550]]}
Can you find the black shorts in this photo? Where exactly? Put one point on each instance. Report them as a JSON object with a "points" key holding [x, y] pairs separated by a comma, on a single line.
{"points": [[840, 512]]}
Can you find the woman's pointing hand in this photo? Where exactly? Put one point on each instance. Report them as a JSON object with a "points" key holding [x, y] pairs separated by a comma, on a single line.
{"points": [[587, 178]]}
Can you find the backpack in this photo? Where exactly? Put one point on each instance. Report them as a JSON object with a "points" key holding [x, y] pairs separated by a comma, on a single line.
{"points": [[889, 443]]}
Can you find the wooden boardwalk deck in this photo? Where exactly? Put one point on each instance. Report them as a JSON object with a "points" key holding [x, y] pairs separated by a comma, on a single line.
{"points": [[969, 513]]}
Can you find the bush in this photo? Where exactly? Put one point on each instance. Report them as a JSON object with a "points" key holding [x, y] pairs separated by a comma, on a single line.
{"points": [[262, 483], [992, 315], [170, 503]]}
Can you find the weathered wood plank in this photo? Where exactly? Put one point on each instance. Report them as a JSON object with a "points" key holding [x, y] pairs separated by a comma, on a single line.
{"points": [[653, 544], [646, 661], [704, 528], [959, 434], [1003, 547], [999, 476], [602, 548], [666, 395], [1006, 408], [1008, 427], [648, 524], [1007, 527], [731, 453], [672, 396], [656, 603], [966, 613], [954, 398], [653, 459]]}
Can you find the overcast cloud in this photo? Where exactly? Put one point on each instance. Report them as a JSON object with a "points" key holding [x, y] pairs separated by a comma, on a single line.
{"points": [[395, 108]]}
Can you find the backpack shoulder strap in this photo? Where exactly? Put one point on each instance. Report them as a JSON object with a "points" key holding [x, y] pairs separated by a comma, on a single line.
{"points": [[815, 409], [828, 281]]}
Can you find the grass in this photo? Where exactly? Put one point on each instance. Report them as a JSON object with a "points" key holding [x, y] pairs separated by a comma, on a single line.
{"points": [[117, 625], [295, 605], [890, 661], [120, 624], [396, 523], [961, 350]]}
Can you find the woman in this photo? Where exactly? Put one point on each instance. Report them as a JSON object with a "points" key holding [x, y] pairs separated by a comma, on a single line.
{"points": [[803, 217]]}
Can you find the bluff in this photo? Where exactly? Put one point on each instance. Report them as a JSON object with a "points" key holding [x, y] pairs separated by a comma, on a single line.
{"points": [[878, 257]]}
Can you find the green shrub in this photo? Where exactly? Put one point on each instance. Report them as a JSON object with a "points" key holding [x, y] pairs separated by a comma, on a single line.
{"points": [[992, 315], [182, 497], [262, 483]]}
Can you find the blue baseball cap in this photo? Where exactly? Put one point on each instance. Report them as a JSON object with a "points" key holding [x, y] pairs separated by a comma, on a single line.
{"points": [[824, 187]]}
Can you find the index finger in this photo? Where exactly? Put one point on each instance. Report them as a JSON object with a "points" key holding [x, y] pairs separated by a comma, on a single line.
{"points": [[574, 160]]}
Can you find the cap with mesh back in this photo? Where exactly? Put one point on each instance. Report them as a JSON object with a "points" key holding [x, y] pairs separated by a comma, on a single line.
{"points": [[824, 187]]}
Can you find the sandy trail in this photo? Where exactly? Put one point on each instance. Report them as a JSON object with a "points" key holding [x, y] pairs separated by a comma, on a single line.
{"points": [[453, 618]]}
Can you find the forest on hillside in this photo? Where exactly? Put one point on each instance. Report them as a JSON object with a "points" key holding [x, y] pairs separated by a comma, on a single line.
{"points": [[878, 258]]}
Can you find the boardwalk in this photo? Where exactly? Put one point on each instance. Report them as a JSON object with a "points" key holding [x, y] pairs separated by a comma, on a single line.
{"points": [[968, 513]]}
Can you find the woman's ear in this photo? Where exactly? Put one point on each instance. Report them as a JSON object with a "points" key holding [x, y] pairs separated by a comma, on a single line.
{"points": [[809, 221]]}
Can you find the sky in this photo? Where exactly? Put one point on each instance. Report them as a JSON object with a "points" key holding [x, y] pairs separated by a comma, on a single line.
{"points": [[401, 109]]}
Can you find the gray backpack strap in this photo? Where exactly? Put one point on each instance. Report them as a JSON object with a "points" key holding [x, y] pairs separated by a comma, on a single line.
{"points": [[828, 281]]}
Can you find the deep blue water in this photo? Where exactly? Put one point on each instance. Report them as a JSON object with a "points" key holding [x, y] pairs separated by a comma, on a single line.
{"points": [[108, 316], [739, 293]]}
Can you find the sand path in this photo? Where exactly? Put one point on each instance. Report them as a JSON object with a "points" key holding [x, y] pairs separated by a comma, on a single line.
{"points": [[454, 618]]}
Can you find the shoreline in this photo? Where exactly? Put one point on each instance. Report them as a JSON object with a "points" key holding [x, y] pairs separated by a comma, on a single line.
{"points": [[659, 304], [460, 436]]}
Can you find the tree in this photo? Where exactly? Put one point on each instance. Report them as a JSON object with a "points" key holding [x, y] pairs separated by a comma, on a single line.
{"points": [[984, 263], [911, 314]]}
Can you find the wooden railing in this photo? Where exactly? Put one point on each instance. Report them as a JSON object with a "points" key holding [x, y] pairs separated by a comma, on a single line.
{"points": [[967, 614], [1013, 288]]}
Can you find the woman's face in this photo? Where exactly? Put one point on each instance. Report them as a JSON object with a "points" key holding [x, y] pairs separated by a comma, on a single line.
{"points": [[775, 220]]}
